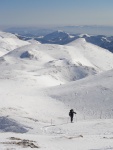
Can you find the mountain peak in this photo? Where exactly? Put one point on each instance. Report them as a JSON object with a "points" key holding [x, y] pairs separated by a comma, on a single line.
{"points": [[58, 37], [60, 31]]}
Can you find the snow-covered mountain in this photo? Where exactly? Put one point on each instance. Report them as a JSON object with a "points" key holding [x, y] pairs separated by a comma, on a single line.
{"points": [[50, 61], [95, 54], [9, 42], [61, 63], [46, 65], [61, 37], [101, 40], [56, 37], [39, 83]]}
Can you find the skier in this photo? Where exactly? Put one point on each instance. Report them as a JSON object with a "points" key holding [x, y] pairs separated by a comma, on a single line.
{"points": [[71, 114]]}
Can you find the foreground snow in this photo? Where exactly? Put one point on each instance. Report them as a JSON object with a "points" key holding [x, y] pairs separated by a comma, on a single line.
{"points": [[32, 114], [85, 135]]}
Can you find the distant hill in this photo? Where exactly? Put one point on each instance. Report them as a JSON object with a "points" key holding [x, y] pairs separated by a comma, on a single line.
{"points": [[57, 37], [61, 37]]}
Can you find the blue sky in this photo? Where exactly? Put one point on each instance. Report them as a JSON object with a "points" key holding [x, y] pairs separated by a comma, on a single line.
{"points": [[56, 12]]}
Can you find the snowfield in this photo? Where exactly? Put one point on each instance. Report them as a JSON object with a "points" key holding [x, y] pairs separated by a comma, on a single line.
{"points": [[40, 83], [9, 42]]}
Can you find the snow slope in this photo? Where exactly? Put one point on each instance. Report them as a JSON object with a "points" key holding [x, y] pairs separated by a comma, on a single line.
{"points": [[91, 97], [59, 63], [43, 114], [9, 42], [54, 62], [94, 54]]}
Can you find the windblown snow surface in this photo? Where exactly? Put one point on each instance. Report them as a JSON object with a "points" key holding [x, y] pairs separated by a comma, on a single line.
{"points": [[40, 83]]}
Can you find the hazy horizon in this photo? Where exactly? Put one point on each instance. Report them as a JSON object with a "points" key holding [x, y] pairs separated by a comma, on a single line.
{"points": [[43, 30]]}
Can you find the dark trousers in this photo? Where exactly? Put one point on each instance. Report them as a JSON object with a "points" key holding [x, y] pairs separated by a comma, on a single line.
{"points": [[71, 118]]}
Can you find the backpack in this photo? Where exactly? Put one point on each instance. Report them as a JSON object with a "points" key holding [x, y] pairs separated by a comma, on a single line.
{"points": [[69, 113]]}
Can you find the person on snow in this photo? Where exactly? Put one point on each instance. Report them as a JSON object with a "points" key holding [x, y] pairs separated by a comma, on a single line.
{"points": [[71, 114]]}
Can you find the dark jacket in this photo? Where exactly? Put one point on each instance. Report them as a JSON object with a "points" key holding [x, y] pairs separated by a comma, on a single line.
{"points": [[71, 113]]}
